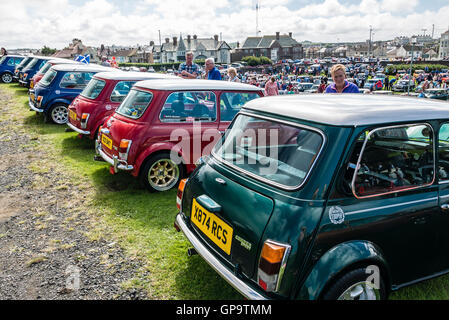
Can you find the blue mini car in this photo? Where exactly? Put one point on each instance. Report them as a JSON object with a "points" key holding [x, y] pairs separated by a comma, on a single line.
{"points": [[20, 66], [8, 64], [59, 86], [30, 70]]}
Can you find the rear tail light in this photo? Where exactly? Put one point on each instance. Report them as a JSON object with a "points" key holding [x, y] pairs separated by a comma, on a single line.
{"points": [[84, 119], [39, 100], [123, 149], [25, 75], [273, 260], [181, 187]]}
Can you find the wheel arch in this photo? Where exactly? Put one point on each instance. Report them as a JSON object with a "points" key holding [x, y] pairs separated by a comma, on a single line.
{"points": [[339, 260]]}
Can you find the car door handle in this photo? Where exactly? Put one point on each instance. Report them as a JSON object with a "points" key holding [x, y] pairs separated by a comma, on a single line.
{"points": [[445, 207]]}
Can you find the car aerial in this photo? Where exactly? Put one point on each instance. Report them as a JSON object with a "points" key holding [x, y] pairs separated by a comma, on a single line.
{"points": [[30, 70], [59, 86], [436, 93], [20, 66], [52, 62], [8, 64], [102, 95], [402, 85], [306, 197], [163, 127]]}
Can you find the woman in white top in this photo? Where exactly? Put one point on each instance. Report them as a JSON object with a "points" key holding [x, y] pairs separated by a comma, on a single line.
{"points": [[232, 74]]}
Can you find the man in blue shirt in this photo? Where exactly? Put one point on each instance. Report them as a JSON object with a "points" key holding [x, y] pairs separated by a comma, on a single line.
{"points": [[212, 73], [341, 85]]}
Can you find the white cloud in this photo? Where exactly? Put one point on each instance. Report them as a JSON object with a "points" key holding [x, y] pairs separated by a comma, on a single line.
{"points": [[25, 23]]}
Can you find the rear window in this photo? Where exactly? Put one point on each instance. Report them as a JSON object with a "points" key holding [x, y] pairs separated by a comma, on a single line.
{"points": [[48, 77], [121, 90], [93, 89], [135, 104], [232, 102], [32, 63], [24, 62], [189, 106], [2, 59], [45, 68], [277, 153]]}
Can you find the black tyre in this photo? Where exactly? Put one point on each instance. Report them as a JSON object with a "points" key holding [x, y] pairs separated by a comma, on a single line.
{"points": [[6, 78], [160, 173], [359, 284], [59, 114]]}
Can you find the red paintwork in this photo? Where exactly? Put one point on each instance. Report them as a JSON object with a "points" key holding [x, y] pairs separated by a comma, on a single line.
{"points": [[149, 135], [99, 109]]}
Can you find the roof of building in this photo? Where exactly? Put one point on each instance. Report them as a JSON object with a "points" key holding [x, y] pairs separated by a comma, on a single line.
{"points": [[196, 84], [351, 109], [267, 40]]}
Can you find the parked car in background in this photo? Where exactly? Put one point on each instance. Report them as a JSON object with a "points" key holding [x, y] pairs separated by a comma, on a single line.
{"points": [[402, 86], [303, 86], [163, 119], [52, 62], [20, 66], [59, 86], [8, 64], [30, 70], [436, 93], [311, 206], [102, 95]]}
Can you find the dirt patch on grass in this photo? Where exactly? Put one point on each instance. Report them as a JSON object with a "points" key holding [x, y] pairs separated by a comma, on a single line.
{"points": [[45, 252]]}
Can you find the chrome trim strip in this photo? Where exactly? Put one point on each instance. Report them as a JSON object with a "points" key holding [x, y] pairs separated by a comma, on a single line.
{"points": [[226, 274], [391, 206], [396, 191], [254, 176], [77, 129], [444, 197]]}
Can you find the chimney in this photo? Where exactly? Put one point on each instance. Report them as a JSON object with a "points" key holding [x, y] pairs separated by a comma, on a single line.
{"points": [[175, 41], [188, 38], [151, 43], [216, 38], [277, 35], [290, 34], [194, 37], [167, 40], [238, 44]]}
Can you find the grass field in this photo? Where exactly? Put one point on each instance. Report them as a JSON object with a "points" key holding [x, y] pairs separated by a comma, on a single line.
{"points": [[141, 222]]}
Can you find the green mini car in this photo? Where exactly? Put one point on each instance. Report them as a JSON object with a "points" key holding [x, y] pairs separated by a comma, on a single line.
{"points": [[324, 197]]}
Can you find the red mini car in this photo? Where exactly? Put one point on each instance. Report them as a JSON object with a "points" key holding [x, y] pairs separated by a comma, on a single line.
{"points": [[100, 98], [163, 127]]}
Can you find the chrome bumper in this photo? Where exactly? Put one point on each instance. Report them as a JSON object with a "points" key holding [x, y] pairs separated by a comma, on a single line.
{"points": [[32, 107], [71, 126], [114, 161], [224, 272]]}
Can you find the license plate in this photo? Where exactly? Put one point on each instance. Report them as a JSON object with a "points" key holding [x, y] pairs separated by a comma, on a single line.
{"points": [[213, 227], [32, 84], [72, 115], [106, 141], [32, 97]]}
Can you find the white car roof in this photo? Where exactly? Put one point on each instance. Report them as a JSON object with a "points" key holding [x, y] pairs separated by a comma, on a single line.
{"points": [[132, 75], [196, 84]]}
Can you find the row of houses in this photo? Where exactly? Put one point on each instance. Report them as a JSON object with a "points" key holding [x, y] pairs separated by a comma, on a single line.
{"points": [[276, 47]]}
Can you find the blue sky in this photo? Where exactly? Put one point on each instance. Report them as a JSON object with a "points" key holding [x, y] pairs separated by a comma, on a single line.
{"points": [[25, 23]]}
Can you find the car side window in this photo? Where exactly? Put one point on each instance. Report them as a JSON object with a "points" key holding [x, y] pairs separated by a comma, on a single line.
{"points": [[75, 80], [232, 102], [11, 62], [189, 106], [394, 159], [121, 90], [443, 152]]}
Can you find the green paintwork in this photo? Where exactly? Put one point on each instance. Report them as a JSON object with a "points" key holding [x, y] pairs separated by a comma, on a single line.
{"points": [[405, 233]]}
